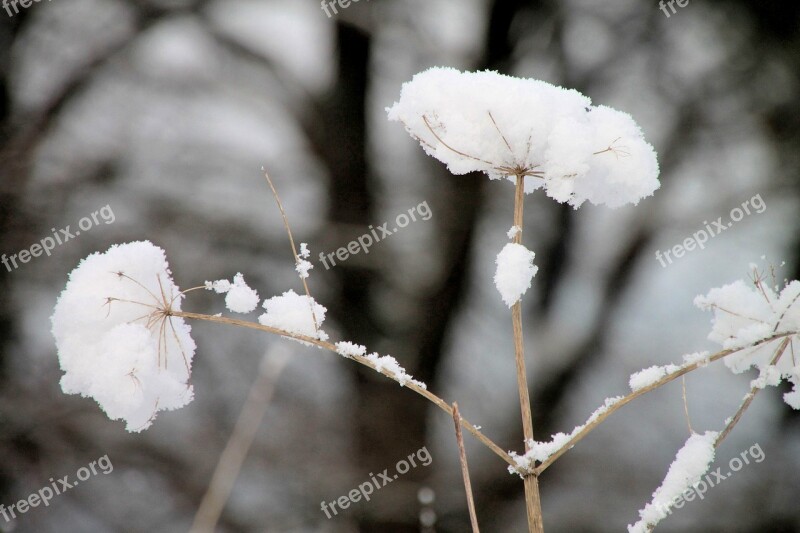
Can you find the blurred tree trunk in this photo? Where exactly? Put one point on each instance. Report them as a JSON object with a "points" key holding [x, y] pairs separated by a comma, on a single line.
{"points": [[388, 418], [12, 182], [380, 440]]}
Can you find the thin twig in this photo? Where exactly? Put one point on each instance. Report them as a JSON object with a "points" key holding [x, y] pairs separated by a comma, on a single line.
{"points": [[462, 456], [240, 441], [501, 134], [686, 405], [291, 242], [780, 318], [757, 282], [616, 151], [748, 399], [459, 152], [588, 428], [441, 404]]}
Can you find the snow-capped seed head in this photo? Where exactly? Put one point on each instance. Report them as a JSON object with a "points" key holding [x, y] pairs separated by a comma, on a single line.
{"points": [[748, 312], [515, 270], [117, 340], [507, 127]]}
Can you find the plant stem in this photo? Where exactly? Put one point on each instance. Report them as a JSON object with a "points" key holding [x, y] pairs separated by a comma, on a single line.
{"points": [[440, 403], [748, 399], [533, 503], [590, 426], [462, 456], [291, 243]]}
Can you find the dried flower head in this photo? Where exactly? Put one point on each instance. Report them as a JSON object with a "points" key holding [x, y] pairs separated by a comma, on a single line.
{"points": [[117, 340], [748, 312], [507, 127]]}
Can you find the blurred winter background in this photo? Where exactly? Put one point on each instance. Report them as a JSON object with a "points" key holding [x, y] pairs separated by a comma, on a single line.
{"points": [[166, 110]]}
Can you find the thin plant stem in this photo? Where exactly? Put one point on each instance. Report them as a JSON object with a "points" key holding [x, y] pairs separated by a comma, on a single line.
{"points": [[591, 426], [291, 242], [533, 504], [748, 399], [686, 405], [240, 441], [462, 456], [440, 403]]}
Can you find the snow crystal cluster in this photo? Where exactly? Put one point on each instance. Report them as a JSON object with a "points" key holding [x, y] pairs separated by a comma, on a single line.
{"points": [[690, 464], [650, 376], [383, 364], [349, 349], [541, 451], [513, 231], [295, 313], [239, 298], [506, 126], [748, 313], [515, 270], [115, 342], [389, 364], [303, 266]]}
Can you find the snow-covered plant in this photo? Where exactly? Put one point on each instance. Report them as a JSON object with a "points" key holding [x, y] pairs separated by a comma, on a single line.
{"points": [[510, 127], [118, 341], [123, 340], [752, 319], [540, 136]]}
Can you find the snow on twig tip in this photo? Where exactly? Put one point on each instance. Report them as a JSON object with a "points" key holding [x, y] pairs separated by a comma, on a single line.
{"points": [[239, 297]]}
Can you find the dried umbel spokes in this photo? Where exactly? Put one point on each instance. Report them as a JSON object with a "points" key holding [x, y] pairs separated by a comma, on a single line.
{"points": [[117, 339]]}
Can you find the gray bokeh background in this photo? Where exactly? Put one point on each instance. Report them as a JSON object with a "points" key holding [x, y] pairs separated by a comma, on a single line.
{"points": [[167, 110]]}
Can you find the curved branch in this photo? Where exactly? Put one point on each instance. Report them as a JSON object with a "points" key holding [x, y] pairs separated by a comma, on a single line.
{"points": [[441, 404], [748, 399], [589, 427]]}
